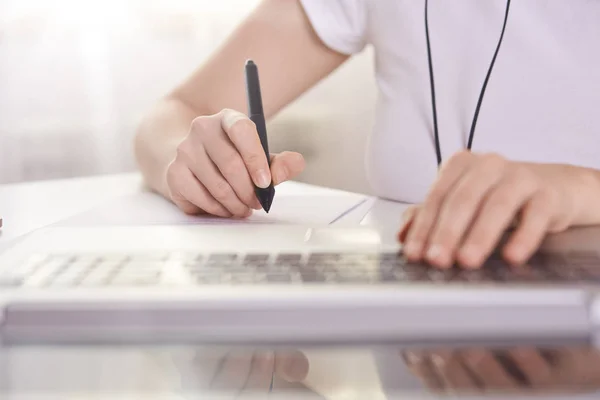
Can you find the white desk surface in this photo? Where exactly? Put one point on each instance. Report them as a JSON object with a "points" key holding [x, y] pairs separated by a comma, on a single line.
{"points": [[28, 206]]}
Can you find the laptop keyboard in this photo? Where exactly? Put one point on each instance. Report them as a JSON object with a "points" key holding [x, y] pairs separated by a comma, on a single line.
{"points": [[138, 270]]}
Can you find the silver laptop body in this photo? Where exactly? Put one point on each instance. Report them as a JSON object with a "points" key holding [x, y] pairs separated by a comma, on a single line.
{"points": [[284, 284]]}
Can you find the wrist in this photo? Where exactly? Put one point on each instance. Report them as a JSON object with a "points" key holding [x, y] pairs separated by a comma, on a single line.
{"points": [[585, 190]]}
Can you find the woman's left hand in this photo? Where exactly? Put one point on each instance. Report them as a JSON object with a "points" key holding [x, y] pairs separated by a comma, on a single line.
{"points": [[476, 198]]}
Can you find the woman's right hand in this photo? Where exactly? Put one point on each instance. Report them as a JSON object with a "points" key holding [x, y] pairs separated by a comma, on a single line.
{"points": [[219, 161]]}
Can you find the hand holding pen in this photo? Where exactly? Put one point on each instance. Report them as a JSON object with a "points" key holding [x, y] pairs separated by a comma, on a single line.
{"points": [[222, 165]]}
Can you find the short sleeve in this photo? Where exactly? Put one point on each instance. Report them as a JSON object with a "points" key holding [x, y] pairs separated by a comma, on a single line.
{"points": [[340, 24]]}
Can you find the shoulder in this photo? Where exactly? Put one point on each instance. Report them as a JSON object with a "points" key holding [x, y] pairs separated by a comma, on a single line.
{"points": [[341, 24]]}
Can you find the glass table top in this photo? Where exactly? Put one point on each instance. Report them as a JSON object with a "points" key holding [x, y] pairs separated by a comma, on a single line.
{"points": [[374, 372]]}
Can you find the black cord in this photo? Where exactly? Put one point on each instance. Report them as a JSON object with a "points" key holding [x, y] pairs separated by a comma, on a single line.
{"points": [[481, 94], [487, 78], [438, 150]]}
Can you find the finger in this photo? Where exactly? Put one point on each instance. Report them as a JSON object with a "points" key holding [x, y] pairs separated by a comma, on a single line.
{"points": [[416, 239], [536, 370], [487, 370], [460, 207], [407, 219], [535, 220], [261, 373], [242, 132], [453, 374], [286, 165], [420, 366], [212, 179], [291, 366], [231, 166], [190, 195], [496, 214]]}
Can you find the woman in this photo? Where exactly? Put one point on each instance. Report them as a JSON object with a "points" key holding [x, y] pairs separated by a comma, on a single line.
{"points": [[535, 142]]}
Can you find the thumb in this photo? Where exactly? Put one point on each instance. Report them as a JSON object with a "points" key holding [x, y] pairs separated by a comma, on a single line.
{"points": [[286, 166]]}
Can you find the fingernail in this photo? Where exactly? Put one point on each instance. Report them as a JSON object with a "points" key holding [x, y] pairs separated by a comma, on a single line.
{"points": [[438, 361], [412, 358], [517, 253], [436, 254], [263, 179], [231, 118], [470, 255], [412, 248]]}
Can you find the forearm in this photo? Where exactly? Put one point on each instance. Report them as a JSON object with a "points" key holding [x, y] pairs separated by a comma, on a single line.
{"points": [[279, 38], [157, 138]]}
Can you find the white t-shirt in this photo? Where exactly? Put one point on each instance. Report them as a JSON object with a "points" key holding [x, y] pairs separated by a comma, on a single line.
{"points": [[541, 104]]}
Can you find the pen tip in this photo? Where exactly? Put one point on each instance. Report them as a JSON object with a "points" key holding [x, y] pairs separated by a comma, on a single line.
{"points": [[265, 197], [249, 62]]}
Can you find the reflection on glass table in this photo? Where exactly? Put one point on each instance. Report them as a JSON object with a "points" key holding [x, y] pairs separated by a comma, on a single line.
{"points": [[373, 373]]}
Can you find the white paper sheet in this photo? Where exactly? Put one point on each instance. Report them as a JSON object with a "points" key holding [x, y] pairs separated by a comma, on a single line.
{"points": [[151, 209]]}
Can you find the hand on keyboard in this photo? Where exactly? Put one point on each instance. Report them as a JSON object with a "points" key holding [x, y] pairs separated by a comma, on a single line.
{"points": [[520, 369], [475, 199]]}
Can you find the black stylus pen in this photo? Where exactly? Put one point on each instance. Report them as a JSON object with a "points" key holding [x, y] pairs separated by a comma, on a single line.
{"points": [[256, 114]]}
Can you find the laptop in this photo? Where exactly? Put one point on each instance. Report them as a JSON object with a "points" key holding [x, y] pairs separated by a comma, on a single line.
{"points": [[278, 284]]}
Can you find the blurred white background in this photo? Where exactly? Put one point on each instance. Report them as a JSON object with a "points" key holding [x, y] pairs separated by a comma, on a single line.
{"points": [[77, 75]]}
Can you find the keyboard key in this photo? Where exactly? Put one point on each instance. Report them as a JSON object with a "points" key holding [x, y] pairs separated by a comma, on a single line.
{"points": [[589, 271], [31, 264], [100, 274], [148, 257], [521, 274], [210, 278], [440, 275], [274, 277], [324, 256], [24, 270], [86, 259], [289, 258], [221, 260], [222, 257], [392, 260], [243, 278], [391, 256], [68, 278], [46, 272], [403, 275], [311, 275], [109, 266], [115, 258], [131, 279], [481, 275], [360, 258], [143, 266], [567, 273], [582, 256], [185, 257], [257, 258], [95, 279]]}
